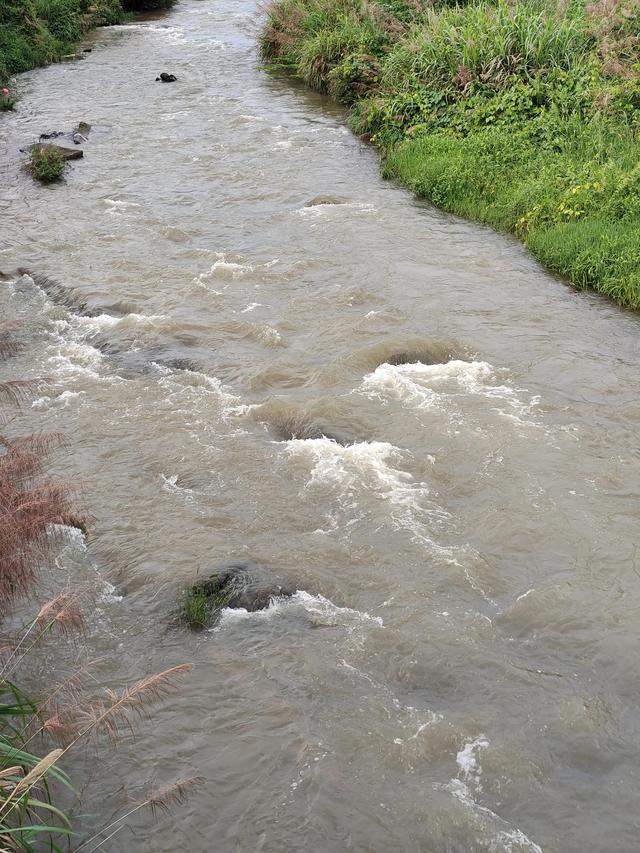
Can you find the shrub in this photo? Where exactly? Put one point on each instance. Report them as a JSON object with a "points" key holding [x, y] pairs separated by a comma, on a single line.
{"points": [[7, 100], [62, 18], [46, 163]]}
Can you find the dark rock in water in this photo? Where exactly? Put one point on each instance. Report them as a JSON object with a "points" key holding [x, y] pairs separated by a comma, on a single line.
{"points": [[301, 427], [87, 49], [412, 350], [61, 295], [180, 364], [53, 135], [324, 199], [67, 153], [81, 133], [240, 586], [422, 356], [167, 78]]}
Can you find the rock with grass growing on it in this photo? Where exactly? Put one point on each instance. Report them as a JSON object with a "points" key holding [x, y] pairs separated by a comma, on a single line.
{"points": [[238, 586], [46, 164]]}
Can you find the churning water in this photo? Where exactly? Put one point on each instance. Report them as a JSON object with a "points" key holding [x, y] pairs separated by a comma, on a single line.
{"points": [[458, 670]]}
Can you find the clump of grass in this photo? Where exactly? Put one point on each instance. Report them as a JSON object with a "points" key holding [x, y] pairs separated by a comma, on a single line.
{"points": [[46, 164], [202, 602], [196, 608], [63, 18]]}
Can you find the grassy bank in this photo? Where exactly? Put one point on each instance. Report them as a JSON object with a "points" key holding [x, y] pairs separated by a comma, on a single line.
{"points": [[523, 115], [36, 32]]}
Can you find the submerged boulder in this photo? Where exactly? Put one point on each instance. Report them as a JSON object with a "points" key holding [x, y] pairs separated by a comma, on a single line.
{"points": [[300, 427], [238, 586], [319, 200]]}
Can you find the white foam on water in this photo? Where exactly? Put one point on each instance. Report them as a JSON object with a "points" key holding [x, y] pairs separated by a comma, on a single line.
{"points": [[170, 484], [321, 210], [76, 546], [170, 33], [369, 467], [251, 307], [192, 382], [502, 838], [225, 269], [108, 321], [430, 385], [468, 762], [363, 464], [320, 611], [117, 207], [264, 334], [62, 399], [73, 357]]}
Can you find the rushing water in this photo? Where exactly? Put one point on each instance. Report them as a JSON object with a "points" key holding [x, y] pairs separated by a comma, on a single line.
{"points": [[458, 671]]}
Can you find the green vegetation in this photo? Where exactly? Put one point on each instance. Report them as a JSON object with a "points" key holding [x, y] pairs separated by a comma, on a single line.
{"points": [[45, 163], [7, 100], [523, 114], [36, 32], [201, 603], [196, 608]]}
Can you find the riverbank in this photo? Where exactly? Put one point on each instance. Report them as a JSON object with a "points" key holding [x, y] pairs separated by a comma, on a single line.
{"points": [[37, 32], [522, 116]]}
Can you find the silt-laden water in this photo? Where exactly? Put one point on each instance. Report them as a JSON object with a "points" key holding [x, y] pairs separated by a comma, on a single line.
{"points": [[458, 669]]}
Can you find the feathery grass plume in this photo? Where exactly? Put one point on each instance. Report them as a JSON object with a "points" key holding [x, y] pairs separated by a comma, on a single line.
{"points": [[158, 799], [63, 610], [29, 508], [116, 712], [35, 774], [175, 793], [9, 345]]}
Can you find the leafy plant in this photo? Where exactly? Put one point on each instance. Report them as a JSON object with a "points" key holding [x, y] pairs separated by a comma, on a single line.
{"points": [[7, 100], [46, 164]]}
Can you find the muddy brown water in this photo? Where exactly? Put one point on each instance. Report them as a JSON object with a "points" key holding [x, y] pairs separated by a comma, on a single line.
{"points": [[459, 669]]}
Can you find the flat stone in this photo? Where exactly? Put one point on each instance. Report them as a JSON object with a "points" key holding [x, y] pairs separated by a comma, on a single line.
{"points": [[67, 153]]}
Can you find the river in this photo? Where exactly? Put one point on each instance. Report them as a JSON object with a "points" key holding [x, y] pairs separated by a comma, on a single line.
{"points": [[459, 668]]}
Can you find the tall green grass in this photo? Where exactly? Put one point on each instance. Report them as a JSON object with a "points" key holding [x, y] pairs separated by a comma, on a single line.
{"points": [[36, 32], [523, 115]]}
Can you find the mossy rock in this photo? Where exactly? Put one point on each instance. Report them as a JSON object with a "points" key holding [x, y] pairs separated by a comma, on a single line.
{"points": [[239, 586]]}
